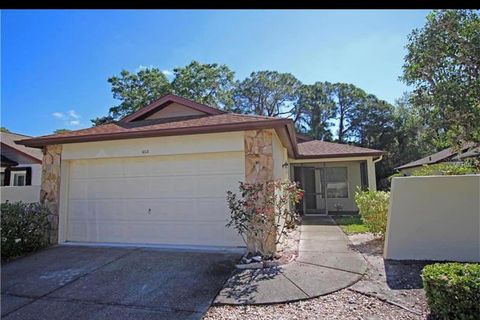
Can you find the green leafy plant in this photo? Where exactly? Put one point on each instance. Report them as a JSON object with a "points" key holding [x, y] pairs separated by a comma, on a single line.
{"points": [[263, 212], [24, 228], [445, 169], [453, 290], [373, 208]]}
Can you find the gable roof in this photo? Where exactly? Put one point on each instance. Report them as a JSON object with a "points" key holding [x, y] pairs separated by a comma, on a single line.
{"points": [[442, 156], [160, 127], [8, 139], [323, 149], [213, 120], [166, 100]]}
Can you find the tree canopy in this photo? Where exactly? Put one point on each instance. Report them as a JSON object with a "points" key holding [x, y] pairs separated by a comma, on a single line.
{"points": [[209, 84], [267, 93], [134, 91], [315, 110], [443, 65]]}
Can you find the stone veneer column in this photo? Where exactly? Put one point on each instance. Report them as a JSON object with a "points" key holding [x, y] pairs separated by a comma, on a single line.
{"points": [[258, 156], [50, 188], [259, 168]]}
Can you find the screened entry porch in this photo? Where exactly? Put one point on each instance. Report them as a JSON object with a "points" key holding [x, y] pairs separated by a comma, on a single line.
{"points": [[330, 186]]}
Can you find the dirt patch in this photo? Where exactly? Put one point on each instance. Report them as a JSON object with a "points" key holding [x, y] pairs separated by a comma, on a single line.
{"points": [[366, 244]]}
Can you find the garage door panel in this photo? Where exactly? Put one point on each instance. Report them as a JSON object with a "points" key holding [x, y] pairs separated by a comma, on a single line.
{"points": [[147, 233], [153, 187], [164, 165], [164, 199], [181, 209]]}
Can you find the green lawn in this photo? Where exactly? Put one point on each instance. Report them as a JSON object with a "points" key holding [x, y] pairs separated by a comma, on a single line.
{"points": [[351, 224]]}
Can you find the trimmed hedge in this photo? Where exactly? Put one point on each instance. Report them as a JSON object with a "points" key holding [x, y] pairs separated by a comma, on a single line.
{"points": [[24, 228], [453, 290]]}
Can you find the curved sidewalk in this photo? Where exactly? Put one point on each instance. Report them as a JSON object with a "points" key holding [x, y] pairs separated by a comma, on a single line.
{"points": [[325, 264]]}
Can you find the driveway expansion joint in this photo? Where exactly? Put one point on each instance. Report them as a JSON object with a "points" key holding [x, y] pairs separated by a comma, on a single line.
{"points": [[296, 285], [330, 267]]}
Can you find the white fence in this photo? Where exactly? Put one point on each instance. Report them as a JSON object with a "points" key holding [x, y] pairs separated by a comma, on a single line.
{"points": [[26, 194], [434, 218]]}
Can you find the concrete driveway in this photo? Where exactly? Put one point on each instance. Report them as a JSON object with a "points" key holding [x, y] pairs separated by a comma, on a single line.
{"points": [[80, 282]]}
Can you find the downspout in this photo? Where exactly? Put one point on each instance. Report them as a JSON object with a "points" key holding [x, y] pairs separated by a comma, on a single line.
{"points": [[379, 159]]}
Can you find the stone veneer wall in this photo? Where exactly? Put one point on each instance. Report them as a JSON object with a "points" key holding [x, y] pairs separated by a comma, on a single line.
{"points": [[259, 167], [50, 187]]}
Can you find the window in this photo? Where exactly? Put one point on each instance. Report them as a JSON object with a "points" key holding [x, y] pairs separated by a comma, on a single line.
{"points": [[2, 179], [19, 178], [337, 185]]}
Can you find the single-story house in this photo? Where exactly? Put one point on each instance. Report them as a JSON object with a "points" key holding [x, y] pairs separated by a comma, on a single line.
{"points": [[20, 170], [469, 150], [160, 175]]}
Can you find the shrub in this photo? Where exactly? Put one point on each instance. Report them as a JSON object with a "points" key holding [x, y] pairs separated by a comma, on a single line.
{"points": [[24, 228], [262, 211], [453, 290], [373, 208], [445, 169]]}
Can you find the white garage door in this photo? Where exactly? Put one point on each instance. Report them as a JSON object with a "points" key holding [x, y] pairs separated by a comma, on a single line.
{"points": [[154, 200]]}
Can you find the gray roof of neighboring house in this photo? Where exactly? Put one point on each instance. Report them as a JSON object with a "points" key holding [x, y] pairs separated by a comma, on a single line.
{"points": [[468, 150], [8, 140]]}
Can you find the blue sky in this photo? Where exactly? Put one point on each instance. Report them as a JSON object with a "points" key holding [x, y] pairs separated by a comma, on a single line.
{"points": [[55, 64]]}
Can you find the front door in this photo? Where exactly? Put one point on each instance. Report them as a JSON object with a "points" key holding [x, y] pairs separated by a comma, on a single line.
{"points": [[314, 184]]}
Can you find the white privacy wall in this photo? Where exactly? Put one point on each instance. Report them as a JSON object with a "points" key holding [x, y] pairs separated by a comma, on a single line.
{"points": [[434, 218], [27, 194]]}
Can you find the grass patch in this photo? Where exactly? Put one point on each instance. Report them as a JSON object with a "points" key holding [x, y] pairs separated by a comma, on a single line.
{"points": [[351, 224]]}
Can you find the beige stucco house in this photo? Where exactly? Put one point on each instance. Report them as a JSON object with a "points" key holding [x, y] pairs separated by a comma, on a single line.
{"points": [[160, 175]]}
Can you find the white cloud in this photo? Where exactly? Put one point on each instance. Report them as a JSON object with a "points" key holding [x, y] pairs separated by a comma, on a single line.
{"points": [[68, 118], [140, 67], [168, 73], [58, 115], [73, 114]]}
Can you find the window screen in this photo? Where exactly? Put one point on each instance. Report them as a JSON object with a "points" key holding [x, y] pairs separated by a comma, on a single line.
{"points": [[337, 186]]}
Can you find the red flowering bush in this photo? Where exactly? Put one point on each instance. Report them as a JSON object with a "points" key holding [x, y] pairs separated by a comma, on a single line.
{"points": [[262, 213]]}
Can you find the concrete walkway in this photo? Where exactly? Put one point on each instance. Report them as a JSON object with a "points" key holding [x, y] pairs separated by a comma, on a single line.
{"points": [[325, 264]]}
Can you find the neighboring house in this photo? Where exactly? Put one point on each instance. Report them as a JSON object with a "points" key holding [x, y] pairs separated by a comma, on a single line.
{"points": [[21, 170], [160, 175], [469, 150]]}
